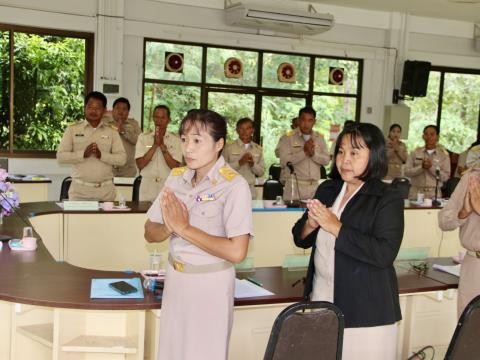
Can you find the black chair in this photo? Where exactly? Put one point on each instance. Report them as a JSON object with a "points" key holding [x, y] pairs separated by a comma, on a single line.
{"points": [[465, 341], [272, 189], [307, 331], [449, 187], [274, 172], [323, 172], [65, 187], [401, 184], [136, 189]]}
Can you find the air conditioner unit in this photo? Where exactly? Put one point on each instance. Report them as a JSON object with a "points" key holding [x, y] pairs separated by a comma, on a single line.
{"points": [[298, 22]]}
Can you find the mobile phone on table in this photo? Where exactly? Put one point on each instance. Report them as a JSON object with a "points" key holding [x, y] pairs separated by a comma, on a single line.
{"points": [[123, 287]]}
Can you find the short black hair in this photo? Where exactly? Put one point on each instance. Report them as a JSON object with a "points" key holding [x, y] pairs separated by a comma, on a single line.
{"points": [[393, 126], [96, 95], [164, 107], [122, 100], [435, 127], [307, 110], [214, 123], [372, 136], [243, 121]]}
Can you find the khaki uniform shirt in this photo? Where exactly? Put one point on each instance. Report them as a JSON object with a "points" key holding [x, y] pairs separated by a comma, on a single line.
{"points": [[469, 286], [423, 180], [129, 140], [473, 157], [234, 151], [91, 170], [395, 160], [290, 149], [218, 205], [156, 171]]}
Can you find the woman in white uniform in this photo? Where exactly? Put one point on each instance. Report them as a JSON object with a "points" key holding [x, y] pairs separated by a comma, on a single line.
{"points": [[205, 210], [354, 226]]}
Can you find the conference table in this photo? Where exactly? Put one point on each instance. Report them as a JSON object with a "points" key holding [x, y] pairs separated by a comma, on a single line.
{"points": [[47, 312]]}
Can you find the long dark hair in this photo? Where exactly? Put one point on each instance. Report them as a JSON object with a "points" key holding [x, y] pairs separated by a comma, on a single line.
{"points": [[372, 136]]}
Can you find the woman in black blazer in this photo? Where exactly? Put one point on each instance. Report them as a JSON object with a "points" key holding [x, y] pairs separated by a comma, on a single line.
{"points": [[354, 226]]}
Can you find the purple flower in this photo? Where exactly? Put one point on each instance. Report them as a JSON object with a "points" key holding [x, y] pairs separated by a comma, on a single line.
{"points": [[8, 197]]}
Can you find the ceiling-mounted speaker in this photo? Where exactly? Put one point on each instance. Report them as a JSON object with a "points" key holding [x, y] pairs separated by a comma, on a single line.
{"points": [[286, 73], [233, 68], [173, 62], [415, 78], [336, 76]]}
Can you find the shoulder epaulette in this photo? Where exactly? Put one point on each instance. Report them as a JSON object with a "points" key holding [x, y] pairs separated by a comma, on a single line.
{"points": [[228, 173], [257, 146], [178, 171], [475, 148], [290, 133], [230, 142]]}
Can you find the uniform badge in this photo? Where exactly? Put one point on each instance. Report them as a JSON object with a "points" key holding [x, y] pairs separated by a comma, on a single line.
{"points": [[204, 198], [104, 137], [178, 171]]}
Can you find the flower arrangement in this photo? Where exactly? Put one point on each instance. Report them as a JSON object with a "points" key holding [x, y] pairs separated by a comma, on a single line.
{"points": [[8, 197]]}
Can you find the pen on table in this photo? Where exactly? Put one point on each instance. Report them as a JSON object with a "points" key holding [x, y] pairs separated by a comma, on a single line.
{"points": [[254, 281]]}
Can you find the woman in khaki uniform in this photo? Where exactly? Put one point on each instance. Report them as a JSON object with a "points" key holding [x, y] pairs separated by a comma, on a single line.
{"points": [[205, 209], [396, 152], [462, 210]]}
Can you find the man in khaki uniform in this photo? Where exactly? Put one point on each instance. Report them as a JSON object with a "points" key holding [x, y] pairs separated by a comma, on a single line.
{"points": [[426, 163], [293, 126], [244, 155], [128, 130], [463, 211], [156, 153], [303, 151], [93, 148]]}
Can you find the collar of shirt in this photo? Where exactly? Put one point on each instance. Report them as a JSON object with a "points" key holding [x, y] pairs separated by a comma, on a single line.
{"points": [[213, 176]]}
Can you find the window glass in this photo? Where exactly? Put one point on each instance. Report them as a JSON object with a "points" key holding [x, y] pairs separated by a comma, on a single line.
{"points": [[277, 115], [178, 98], [156, 54], [232, 106], [332, 110], [460, 107], [4, 90], [323, 80], [49, 88], [271, 63], [216, 59], [423, 112]]}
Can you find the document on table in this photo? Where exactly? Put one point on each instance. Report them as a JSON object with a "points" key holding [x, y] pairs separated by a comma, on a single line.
{"points": [[246, 289], [453, 269]]}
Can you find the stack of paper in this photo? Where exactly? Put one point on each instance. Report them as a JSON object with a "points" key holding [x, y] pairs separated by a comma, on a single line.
{"points": [[246, 289], [80, 205], [453, 269]]}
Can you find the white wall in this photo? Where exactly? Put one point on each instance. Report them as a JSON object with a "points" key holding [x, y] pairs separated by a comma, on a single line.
{"points": [[384, 40]]}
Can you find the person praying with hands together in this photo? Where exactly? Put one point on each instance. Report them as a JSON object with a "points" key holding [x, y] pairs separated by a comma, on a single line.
{"points": [[205, 209], [354, 225]]}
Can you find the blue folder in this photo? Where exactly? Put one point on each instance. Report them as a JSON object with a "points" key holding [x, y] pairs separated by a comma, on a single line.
{"points": [[100, 289]]}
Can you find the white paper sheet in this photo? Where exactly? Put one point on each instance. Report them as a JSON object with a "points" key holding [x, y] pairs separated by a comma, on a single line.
{"points": [[453, 269], [246, 289]]}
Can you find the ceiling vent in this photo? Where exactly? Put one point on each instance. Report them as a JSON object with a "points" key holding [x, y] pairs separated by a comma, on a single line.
{"points": [[287, 21]]}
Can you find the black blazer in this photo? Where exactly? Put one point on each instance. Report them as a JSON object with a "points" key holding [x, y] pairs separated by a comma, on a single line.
{"points": [[365, 282]]}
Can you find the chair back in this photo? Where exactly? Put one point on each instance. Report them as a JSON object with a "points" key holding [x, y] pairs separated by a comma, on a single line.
{"points": [[274, 172], [272, 189], [136, 189], [323, 172], [65, 187], [307, 331], [402, 184], [465, 341], [449, 187]]}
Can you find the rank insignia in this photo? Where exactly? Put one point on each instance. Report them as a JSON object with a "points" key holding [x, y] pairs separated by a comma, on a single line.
{"points": [[204, 198], [228, 173], [178, 171]]}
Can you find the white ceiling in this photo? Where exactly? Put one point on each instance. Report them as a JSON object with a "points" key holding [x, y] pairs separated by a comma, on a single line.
{"points": [[448, 9]]}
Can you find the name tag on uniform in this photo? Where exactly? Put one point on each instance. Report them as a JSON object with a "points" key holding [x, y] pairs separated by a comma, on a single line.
{"points": [[104, 137], [297, 145], [204, 198], [236, 153], [79, 135]]}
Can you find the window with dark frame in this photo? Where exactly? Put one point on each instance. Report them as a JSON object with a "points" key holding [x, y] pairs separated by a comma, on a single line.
{"points": [[48, 72], [267, 86]]}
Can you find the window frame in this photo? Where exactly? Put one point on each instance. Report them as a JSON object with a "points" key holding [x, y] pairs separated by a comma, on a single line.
{"points": [[89, 66], [258, 90]]}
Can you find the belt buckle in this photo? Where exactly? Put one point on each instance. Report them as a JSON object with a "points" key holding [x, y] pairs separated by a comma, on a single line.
{"points": [[177, 265]]}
